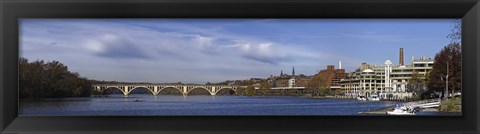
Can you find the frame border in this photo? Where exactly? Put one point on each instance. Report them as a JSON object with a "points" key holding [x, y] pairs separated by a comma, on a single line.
{"points": [[12, 10]]}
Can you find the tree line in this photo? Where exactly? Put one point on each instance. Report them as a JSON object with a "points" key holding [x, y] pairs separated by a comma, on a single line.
{"points": [[40, 79]]}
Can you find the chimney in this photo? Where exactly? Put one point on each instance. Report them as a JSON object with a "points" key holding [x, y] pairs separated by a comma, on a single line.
{"points": [[339, 64], [401, 56]]}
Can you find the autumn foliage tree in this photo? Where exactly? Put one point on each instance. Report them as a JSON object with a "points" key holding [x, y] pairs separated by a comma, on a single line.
{"points": [[317, 86], [451, 55], [264, 87]]}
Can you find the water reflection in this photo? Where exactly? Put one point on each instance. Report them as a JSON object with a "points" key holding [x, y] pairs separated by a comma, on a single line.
{"points": [[178, 105]]}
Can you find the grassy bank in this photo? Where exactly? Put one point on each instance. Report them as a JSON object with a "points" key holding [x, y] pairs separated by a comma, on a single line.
{"points": [[451, 105]]}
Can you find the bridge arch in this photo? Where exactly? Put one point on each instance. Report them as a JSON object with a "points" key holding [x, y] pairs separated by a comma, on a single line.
{"points": [[151, 91], [160, 90], [112, 87], [225, 88], [199, 87], [174, 88]]}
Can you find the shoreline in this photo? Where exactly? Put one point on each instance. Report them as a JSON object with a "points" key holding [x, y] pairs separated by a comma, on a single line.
{"points": [[380, 111], [332, 97]]}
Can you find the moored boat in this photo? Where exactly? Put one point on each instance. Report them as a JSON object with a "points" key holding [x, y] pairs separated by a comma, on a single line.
{"points": [[373, 98], [362, 98]]}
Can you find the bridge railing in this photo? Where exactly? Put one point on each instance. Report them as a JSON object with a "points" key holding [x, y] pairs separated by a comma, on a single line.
{"points": [[159, 85]]}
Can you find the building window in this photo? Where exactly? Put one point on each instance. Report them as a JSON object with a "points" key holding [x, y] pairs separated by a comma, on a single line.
{"points": [[419, 65]]}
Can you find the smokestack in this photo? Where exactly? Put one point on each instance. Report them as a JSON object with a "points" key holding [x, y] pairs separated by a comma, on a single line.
{"points": [[339, 64], [401, 56]]}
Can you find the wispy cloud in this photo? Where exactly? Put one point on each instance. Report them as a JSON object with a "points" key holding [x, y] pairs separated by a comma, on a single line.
{"points": [[382, 37], [113, 46], [207, 51]]}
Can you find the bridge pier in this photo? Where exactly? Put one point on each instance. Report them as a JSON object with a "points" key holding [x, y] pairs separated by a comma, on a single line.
{"points": [[213, 94], [185, 90]]}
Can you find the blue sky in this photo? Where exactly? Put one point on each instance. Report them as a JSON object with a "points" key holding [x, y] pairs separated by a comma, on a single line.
{"points": [[214, 50]]}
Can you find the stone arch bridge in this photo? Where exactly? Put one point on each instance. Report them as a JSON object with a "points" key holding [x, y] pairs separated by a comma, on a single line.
{"points": [[155, 89]]}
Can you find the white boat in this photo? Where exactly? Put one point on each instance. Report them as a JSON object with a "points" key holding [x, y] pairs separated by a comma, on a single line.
{"points": [[373, 98], [362, 98], [401, 111]]}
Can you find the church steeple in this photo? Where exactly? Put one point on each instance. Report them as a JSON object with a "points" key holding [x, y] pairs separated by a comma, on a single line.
{"points": [[293, 71], [281, 72]]}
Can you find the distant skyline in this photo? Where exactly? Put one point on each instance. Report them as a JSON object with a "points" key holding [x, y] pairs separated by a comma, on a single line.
{"points": [[215, 50]]}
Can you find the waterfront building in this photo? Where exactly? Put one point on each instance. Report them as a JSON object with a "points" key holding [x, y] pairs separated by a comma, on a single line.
{"points": [[333, 76], [281, 82], [387, 80], [302, 80]]}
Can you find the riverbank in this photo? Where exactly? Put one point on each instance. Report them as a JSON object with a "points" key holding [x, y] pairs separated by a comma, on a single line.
{"points": [[353, 98], [56, 99], [380, 111], [332, 97]]}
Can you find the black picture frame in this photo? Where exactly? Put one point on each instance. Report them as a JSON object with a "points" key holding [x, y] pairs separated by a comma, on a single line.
{"points": [[12, 10]]}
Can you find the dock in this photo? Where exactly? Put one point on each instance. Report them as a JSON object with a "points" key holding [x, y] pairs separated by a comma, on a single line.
{"points": [[423, 104], [431, 103]]}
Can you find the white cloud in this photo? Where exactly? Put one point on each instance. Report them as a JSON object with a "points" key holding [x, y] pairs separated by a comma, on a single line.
{"points": [[94, 46], [107, 51]]}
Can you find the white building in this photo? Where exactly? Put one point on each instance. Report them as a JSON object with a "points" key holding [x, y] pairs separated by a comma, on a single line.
{"points": [[291, 82], [387, 80]]}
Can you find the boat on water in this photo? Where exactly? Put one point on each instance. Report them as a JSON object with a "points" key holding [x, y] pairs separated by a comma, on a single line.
{"points": [[401, 111], [138, 100], [362, 98], [373, 98]]}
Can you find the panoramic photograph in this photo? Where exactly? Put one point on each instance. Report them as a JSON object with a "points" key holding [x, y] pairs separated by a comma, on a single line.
{"points": [[240, 67]]}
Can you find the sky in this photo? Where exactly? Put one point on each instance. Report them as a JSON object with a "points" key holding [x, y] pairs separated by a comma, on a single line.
{"points": [[215, 50]]}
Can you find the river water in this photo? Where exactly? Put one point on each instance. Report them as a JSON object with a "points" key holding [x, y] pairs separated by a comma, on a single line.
{"points": [[173, 105]]}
